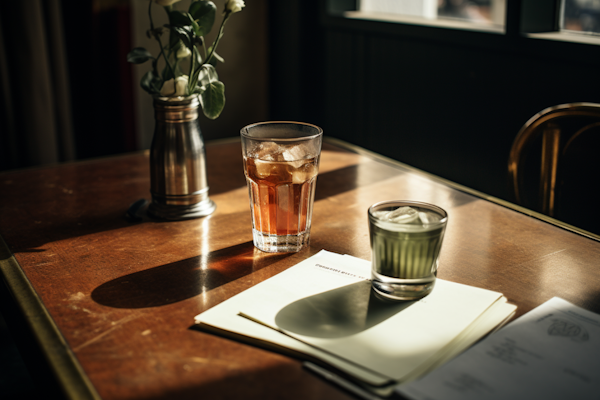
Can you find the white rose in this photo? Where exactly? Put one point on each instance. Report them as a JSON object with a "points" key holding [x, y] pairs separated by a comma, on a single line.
{"points": [[234, 5], [183, 52], [180, 84], [165, 3]]}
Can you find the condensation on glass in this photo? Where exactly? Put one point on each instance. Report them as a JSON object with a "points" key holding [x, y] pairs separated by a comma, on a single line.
{"points": [[581, 16], [480, 12]]}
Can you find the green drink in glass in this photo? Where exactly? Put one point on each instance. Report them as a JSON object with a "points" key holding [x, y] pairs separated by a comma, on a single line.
{"points": [[406, 238]]}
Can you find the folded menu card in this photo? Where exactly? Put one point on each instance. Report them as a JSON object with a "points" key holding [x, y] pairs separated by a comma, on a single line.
{"points": [[323, 309], [549, 353]]}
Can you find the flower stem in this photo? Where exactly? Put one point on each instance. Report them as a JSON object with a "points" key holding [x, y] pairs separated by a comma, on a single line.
{"points": [[155, 62], [216, 43], [162, 52], [192, 67]]}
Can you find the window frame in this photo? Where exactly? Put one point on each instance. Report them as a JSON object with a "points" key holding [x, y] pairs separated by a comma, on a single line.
{"points": [[532, 27]]}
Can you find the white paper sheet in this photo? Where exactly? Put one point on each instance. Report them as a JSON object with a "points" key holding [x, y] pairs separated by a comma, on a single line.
{"points": [[330, 306], [552, 352], [323, 307]]}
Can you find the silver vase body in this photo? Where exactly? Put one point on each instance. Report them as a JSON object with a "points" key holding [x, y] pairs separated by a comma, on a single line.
{"points": [[179, 185]]}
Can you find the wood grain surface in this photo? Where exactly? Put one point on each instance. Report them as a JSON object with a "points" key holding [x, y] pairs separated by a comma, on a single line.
{"points": [[123, 294]]}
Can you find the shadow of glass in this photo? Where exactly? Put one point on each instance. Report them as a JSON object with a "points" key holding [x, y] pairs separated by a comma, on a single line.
{"points": [[183, 279], [338, 313]]}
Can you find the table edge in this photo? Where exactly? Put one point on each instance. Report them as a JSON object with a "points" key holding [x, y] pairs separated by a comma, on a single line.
{"points": [[63, 362]]}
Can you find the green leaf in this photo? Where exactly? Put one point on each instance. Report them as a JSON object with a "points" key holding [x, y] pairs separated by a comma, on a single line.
{"points": [[139, 55], [180, 18], [181, 23], [151, 82], [173, 37], [199, 90], [197, 29], [212, 99], [185, 34], [216, 58], [203, 12], [205, 76], [210, 73]]}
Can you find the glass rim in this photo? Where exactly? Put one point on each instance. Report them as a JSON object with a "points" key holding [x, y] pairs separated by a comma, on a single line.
{"points": [[245, 131], [400, 203]]}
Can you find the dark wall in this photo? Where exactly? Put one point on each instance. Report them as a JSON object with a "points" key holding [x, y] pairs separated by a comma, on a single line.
{"points": [[98, 38]]}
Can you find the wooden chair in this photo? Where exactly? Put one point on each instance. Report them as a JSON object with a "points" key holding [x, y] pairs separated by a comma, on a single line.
{"points": [[567, 167]]}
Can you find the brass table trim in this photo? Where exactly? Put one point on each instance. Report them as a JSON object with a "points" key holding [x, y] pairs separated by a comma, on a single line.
{"points": [[69, 373]]}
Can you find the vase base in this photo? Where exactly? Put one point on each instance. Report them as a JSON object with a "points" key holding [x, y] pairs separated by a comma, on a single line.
{"points": [[177, 212]]}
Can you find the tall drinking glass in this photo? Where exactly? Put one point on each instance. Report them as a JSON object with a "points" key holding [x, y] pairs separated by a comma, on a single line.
{"points": [[281, 163], [406, 238]]}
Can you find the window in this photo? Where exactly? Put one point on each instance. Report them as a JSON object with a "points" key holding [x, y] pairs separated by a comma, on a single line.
{"points": [[480, 12], [475, 11], [581, 16], [576, 21]]}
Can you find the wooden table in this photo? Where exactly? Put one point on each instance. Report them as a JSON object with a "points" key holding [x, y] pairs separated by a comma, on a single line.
{"points": [[112, 301]]}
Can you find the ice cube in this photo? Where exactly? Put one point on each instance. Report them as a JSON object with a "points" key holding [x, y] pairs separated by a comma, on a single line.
{"points": [[263, 169], [294, 155], [403, 215], [268, 151], [428, 217], [304, 174], [298, 177], [311, 170], [380, 214]]}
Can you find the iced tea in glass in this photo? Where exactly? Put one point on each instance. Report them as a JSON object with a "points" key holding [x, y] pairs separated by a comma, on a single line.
{"points": [[281, 164]]}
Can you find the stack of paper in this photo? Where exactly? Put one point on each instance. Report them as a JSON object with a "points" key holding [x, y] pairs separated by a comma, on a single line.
{"points": [[549, 353], [323, 309]]}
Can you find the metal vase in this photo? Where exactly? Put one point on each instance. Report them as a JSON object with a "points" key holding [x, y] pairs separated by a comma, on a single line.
{"points": [[177, 161]]}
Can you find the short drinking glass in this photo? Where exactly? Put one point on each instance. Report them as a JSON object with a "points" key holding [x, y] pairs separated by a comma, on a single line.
{"points": [[281, 163], [406, 238]]}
